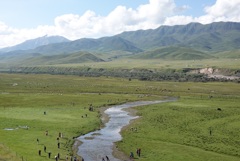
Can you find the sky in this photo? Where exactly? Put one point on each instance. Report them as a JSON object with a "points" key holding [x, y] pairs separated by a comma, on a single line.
{"points": [[21, 20]]}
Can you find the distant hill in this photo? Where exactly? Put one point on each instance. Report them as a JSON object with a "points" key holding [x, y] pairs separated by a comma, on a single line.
{"points": [[217, 36], [184, 42], [101, 45], [173, 53], [106, 44], [33, 43], [228, 54], [74, 58]]}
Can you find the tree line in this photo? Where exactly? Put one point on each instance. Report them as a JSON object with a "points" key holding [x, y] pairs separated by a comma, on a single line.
{"points": [[181, 75]]}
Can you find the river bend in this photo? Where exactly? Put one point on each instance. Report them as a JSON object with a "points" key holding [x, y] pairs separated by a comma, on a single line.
{"points": [[98, 144]]}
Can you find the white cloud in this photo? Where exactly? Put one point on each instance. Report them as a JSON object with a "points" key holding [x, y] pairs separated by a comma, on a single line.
{"points": [[222, 10], [151, 15], [119, 20], [90, 24], [10, 36]]}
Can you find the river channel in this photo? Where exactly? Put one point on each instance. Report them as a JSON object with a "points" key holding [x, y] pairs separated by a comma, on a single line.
{"points": [[98, 144]]}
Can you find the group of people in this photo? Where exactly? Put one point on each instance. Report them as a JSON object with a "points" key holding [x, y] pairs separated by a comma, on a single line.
{"points": [[107, 159], [57, 157], [138, 153]]}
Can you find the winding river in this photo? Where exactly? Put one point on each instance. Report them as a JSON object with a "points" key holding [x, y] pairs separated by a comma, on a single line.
{"points": [[98, 144]]}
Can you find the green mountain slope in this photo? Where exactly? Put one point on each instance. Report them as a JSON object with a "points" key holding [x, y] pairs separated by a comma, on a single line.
{"points": [[106, 44], [79, 57], [192, 41], [102, 45], [173, 53], [218, 36], [229, 54]]}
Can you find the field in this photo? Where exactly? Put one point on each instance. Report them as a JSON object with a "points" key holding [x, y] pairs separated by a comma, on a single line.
{"points": [[161, 64], [171, 131], [189, 129]]}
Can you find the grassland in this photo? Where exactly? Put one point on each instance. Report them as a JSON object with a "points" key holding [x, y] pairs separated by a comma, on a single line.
{"points": [[171, 131], [161, 64], [189, 129], [25, 98]]}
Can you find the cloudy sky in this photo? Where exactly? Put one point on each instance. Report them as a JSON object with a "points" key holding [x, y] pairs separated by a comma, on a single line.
{"points": [[21, 20]]}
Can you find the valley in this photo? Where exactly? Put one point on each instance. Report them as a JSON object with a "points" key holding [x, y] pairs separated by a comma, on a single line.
{"points": [[51, 86], [162, 128]]}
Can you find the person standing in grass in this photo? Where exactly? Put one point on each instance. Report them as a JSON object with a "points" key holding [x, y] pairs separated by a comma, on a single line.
{"points": [[49, 155], [210, 131], [131, 155], [45, 148], [139, 152]]}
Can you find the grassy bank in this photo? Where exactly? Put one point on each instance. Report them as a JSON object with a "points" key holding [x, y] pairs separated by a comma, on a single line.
{"points": [[193, 128], [65, 101], [171, 131]]}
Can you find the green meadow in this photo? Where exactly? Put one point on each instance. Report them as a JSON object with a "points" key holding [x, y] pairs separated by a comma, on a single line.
{"points": [[189, 129], [174, 131], [160, 64]]}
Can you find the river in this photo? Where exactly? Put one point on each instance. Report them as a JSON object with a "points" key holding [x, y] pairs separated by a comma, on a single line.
{"points": [[98, 144]]}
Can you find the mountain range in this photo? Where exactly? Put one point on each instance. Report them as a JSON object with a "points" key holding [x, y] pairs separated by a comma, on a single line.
{"points": [[191, 41], [34, 43]]}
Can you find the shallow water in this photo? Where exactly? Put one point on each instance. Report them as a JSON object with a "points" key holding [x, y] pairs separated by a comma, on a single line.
{"points": [[98, 144]]}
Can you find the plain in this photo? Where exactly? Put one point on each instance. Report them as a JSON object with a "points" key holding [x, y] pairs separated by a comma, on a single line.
{"points": [[32, 104]]}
